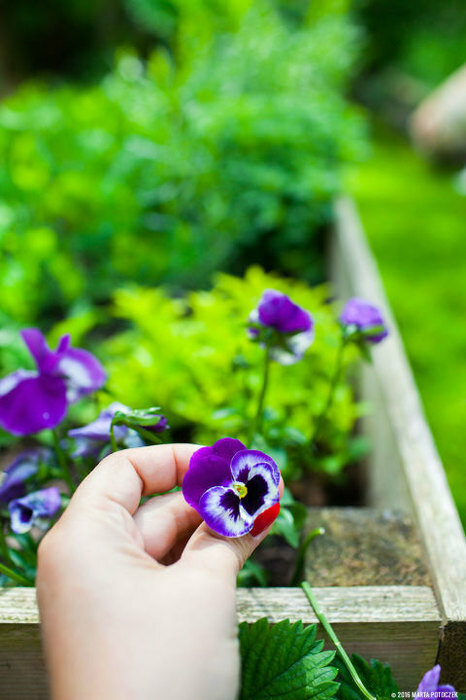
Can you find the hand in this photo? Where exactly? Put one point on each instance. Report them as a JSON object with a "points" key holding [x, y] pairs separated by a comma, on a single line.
{"points": [[138, 602]]}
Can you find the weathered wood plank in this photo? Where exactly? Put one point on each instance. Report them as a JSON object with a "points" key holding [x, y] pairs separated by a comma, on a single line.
{"points": [[22, 671], [398, 624], [430, 500]]}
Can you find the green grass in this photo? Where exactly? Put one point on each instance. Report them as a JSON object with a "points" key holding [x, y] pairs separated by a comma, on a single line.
{"points": [[416, 225]]}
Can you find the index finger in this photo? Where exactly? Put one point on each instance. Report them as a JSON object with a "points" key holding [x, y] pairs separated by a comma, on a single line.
{"points": [[125, 476]]}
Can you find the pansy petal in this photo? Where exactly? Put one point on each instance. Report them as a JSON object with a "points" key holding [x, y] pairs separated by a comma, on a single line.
{"points": [[99, 429], [296, 346], [245, 460], [82, 371], [64, 343], [46, 502], [160, 426], [35, 403], [227, 448], [12, 380], [24, 466], [45, 358], [262, 490], [365, 317], [277, 310], [430, 679], [209, 466], [21, 517], [40, 504], [222, 511]]}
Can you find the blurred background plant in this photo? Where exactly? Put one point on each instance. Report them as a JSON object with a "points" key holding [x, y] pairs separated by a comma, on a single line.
{"points": [[234, 150]]}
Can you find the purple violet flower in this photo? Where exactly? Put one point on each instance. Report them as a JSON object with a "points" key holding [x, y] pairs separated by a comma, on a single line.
{"points": [[25, 465], [283, 326], [231, 487], [33, 509], [34, 400], [366, 320], [91, 438], [429, 688]]}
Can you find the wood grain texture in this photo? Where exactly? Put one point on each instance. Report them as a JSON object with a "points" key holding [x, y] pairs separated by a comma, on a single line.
{"points": [[397, 624], [429, 497]]}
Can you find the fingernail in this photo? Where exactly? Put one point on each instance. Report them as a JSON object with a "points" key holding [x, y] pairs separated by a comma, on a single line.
{"points": [[265, 519]]}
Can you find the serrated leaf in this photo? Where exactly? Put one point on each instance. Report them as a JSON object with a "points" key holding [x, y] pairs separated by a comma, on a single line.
{"points": [[284, 661], [377, 678]]}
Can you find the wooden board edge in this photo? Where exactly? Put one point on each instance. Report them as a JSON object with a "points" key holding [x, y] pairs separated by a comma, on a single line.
{"points": [[341, 604], [430, 497], [396, 624]]}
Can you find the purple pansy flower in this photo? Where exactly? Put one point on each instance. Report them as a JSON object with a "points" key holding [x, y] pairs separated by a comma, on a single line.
{"points": [[429, 687], [33, 509], [286, 328], [25, 465], [365, 318], [91, 438], [34, 400], [230, 486]]}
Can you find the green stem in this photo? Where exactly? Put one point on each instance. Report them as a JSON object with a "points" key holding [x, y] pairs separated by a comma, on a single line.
{"points": [[148, 435], [4, 551], [14, 576], [257, 423], [329, 629], [113, 441], [64, 468], [333, 385], [298, 570]]}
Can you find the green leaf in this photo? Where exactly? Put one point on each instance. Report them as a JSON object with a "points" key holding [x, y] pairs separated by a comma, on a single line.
{"points": [[284, 661], [252, 573], [376, 676], [289, 523], [136, 417]]}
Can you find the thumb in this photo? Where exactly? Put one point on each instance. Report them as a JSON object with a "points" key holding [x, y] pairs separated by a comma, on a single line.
{"points": [[227, 555]]}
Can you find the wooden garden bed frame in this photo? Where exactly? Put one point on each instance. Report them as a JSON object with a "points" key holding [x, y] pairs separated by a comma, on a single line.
{"points": [[410, 627]]}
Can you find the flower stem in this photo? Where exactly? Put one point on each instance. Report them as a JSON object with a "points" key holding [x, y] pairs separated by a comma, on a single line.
{"points": [[298, 570], [257, 423], [148, 435], [15, 576], [4, 551], [64, 468], [113, 441], [333, 385], [329, 629]]}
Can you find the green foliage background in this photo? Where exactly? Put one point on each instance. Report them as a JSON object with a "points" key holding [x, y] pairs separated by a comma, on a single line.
{"points": [[230, 144]]}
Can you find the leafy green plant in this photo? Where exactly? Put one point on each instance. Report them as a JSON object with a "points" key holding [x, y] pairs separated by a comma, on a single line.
{"points": [[377, 677], [193, 357], [284, 661], [236, 150]]}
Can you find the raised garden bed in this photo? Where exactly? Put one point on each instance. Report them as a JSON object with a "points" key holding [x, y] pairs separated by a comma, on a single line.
{"points": [[403, 601]]}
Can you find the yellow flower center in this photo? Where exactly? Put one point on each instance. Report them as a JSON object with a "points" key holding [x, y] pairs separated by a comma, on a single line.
{"points": [[240, 489]]}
